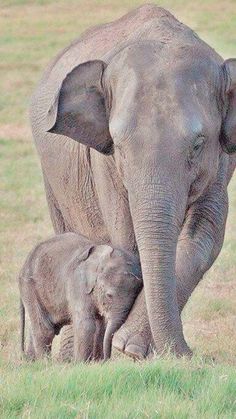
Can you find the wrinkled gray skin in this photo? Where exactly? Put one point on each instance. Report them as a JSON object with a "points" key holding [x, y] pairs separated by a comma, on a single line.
{"points": [[152, 112], [68, 278]]}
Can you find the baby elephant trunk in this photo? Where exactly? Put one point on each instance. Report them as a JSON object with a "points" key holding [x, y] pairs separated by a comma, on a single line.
{"points": [[112, 327]]}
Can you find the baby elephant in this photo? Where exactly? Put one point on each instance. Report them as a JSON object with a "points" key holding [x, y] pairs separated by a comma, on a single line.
{"points": [[69, 279]]}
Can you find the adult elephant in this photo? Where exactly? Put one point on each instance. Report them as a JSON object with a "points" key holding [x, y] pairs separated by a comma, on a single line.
{"points": [[152, 112]]}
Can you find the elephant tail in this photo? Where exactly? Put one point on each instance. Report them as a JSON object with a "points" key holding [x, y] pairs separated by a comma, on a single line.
{"points": [[22, 325]]}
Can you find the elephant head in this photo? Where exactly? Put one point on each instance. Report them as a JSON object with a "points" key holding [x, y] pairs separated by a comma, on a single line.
{"points": [[114, 277], [119, 282], [165, 111]]}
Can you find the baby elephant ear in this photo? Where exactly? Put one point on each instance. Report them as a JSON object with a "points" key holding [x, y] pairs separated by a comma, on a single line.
{"points": [[137, 277], [87, 271], [86, 253], [137, 280], [79, 108], [228, 133]]}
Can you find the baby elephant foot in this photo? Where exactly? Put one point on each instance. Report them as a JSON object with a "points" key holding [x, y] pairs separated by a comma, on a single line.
{"points": [[29, 356], [131, 343]]}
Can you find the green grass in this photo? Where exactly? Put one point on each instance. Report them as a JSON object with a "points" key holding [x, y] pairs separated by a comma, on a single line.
{"points": [[32, 31], [166, 389]]}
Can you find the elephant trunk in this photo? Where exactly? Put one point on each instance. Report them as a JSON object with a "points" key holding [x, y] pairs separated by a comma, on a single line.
{"points": [[158, 213], [112, 327]]}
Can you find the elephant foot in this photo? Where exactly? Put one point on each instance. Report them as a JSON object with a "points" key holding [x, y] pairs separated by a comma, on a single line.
{"points": [[130, 344], [30, 354], [134, 338], [184, 351], [66, 352], [29, 357]]}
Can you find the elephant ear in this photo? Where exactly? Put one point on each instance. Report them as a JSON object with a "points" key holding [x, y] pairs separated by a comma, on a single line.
{"points": [[79, 110], [87, 270], [228, 134], [91, 267], [86, 253]]}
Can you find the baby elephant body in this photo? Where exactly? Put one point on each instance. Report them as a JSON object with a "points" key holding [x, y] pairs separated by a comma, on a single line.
{"points": [[69, 279]]}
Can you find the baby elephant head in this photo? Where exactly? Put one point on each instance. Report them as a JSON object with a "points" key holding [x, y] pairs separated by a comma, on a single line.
{"points": [[114, 276], [118, 284]]}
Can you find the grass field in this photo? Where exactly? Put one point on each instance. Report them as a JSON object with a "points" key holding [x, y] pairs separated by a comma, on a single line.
{"points": [[31, 33]]}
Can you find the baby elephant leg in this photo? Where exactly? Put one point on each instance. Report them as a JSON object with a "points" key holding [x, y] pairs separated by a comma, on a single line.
{"points": [[42, 333], [98, 340], [44, 344], [42, 340], [84, 334], [30, 351]]}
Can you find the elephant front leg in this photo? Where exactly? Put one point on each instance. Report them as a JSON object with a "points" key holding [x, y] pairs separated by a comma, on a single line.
{"points": [[134, 338], [98, 340], [84, 334], [199, 244]]}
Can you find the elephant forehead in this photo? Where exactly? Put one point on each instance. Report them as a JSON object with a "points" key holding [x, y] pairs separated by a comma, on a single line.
{"points": [[123, 103], [143, 73]]}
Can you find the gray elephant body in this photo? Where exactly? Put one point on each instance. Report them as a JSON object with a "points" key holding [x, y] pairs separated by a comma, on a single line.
{"points": [[140, 96], [69, 279]]}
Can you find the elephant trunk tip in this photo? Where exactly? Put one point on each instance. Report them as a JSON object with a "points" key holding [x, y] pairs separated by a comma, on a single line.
{"points": [[107, 341]]}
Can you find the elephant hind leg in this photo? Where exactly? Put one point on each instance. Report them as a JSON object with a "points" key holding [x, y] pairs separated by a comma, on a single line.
{"points": [[59, 225], [42, 331], [40, 341], [98, 340], [43, 343], [30, 354], [58, 222]]}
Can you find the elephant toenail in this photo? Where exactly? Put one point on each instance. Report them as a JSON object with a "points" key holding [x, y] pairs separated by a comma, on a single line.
{"points": [[118, 343], [134, 351]]}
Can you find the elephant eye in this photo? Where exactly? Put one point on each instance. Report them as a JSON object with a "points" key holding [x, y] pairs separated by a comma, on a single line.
{"points": [[197, 147], [109, 296]]}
